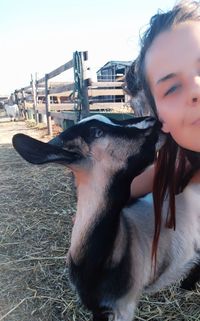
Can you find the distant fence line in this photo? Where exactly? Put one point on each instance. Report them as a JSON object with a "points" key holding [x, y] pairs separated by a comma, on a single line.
{"points": [[69, 100]]}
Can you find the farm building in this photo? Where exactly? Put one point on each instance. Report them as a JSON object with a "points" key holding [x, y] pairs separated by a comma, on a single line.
{"points": [[113, 70], [3, 99]]}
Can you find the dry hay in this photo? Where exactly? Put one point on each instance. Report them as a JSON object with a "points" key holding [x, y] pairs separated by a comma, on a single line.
{"points": [[36, 209]]}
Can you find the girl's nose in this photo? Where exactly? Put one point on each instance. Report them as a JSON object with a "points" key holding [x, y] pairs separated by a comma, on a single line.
{"points": [[194, 97]]}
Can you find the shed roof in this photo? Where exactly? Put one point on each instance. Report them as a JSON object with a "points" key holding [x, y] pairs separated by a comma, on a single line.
{"points": [[117, 63]]}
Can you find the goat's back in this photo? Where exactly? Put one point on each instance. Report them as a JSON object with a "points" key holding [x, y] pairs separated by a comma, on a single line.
{"points": [[177, 250]]}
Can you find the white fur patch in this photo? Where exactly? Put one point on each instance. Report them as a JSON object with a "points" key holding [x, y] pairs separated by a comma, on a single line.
{"points": [[140, 125]]}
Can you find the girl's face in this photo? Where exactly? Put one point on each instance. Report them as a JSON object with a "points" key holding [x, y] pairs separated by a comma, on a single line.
{"points": [[173, 72]]}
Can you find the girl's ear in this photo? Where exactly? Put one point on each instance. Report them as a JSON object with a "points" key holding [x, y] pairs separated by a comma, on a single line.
{"points": [[165, 127]]}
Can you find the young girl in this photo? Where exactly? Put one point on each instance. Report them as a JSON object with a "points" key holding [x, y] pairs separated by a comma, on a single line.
{"points": [[168, 71]]}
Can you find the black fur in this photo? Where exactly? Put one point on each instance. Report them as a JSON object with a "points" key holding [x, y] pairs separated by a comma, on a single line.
{"points": [[189, 283], [93, 278], [102, 315], [193, 277]]}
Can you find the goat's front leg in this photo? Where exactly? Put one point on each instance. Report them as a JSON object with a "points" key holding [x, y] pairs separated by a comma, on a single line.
{"points": [[125, 310], [189, 283]]}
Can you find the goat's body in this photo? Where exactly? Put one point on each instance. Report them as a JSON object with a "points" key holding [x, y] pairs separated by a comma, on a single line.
{"points": [[110, 251], [117, 283]]}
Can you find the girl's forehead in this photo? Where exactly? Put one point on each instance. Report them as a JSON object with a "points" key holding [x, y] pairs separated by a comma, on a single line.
{"points": [[172, 49]]}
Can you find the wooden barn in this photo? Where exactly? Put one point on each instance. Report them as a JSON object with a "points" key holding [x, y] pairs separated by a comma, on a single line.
{"points": [[113, 70], [3, 99]]}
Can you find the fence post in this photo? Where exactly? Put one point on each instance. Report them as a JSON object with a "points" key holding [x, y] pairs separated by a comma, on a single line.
{"points": [[85, 84], [47, 104], [34, 99], [24, 104]]}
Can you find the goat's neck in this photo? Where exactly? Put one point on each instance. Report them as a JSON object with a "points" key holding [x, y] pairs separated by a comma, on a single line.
{"points": [[100, 201]]}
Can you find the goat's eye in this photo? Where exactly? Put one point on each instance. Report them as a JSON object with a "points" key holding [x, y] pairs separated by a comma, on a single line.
{"points": [[95, 132]]}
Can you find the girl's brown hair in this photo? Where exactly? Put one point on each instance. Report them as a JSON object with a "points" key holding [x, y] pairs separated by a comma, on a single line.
{"points": [[174, 168], [174, 165]]}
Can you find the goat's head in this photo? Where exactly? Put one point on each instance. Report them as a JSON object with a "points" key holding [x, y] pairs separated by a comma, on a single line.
{"points": [[97, 141]]}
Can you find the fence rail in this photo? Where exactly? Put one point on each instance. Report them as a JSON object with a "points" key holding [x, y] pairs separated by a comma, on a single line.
{"points": [[70, 100]]}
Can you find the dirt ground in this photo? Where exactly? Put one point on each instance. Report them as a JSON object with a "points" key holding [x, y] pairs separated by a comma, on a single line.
{"points": [[36, 208]]}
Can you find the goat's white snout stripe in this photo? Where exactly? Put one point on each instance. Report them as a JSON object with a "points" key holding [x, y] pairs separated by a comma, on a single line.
{"points": [[146, 123]]}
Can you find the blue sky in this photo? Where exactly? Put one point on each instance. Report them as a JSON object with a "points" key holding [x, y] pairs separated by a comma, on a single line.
{"points": [[38, 36]]}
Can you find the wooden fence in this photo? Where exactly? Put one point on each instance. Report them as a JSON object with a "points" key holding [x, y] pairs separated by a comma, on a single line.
{"points": [[70, 101]]}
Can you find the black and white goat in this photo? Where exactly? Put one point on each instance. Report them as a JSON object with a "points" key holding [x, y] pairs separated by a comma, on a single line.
{"points": [[110, 252]]}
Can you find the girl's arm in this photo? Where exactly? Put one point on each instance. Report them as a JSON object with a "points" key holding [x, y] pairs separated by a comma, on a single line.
{"points": [[143, 183]]}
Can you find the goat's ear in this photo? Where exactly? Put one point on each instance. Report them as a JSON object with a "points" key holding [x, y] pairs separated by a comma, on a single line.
{"points": [[37, 152]]}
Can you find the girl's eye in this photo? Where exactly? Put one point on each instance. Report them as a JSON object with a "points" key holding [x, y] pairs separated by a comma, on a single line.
{"points": [[172, 89]]}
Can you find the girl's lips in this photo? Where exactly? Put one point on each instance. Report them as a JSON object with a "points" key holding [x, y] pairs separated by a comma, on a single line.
{"points": [[196, 122]]}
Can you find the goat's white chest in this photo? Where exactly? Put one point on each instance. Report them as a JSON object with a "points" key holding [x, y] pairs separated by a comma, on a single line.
{"points": [[180, 249]]}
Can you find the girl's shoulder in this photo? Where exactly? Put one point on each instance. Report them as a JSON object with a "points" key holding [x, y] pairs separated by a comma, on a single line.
{"points": [[196, 178], [191, 192], [188, 201]]}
